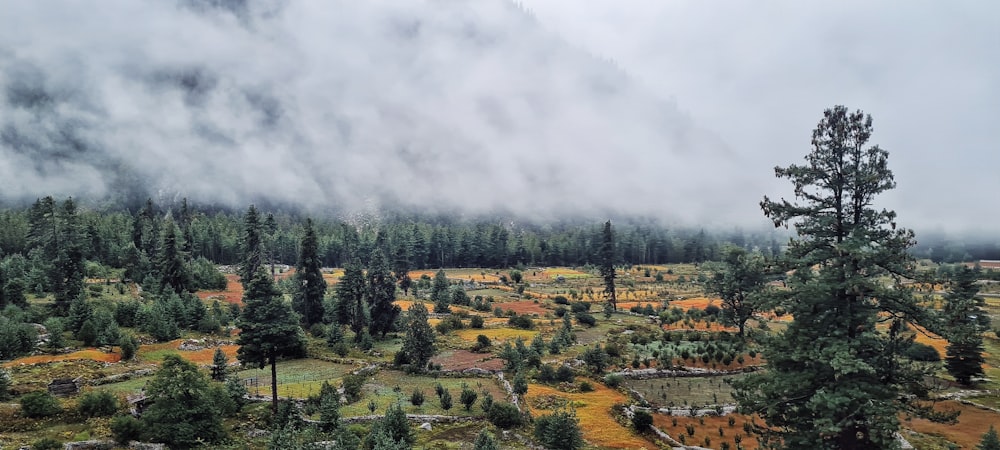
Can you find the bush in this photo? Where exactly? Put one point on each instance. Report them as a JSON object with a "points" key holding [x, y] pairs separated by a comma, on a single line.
{"points": [[642, 420], [561, 300], [612, 380], [578, 307], [585, 319], [482, 343], [504, 415], [585, 386], [98, 404], [352, 386], [922, 352], [39, 404], [476, 322], [417, 398], [523, 322], [46, 444], [446, 400]]}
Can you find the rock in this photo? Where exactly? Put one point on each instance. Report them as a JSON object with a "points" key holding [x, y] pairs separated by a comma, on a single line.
{"points": [[136, 445], [426, 426], [476, 371], [64, 387], [89, 445]]}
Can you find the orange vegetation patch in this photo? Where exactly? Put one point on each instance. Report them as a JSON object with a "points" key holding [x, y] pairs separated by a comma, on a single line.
{"points": [[707, 426], [972, 423], [89, 353], [696, 302], [927, 338], [463, 359], [205, 356], [522, 307], [232, 294], [594, 411]]}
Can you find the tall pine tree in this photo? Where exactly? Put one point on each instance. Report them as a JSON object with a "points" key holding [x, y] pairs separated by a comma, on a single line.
{"points": [[310, 287], [252, 246], [268, 329], [835, 380], [964, 323], [380, 292]]}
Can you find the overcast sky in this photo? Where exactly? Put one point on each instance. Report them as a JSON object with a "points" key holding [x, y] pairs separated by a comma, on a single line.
{"points": [[669, 109], [759, 74]]}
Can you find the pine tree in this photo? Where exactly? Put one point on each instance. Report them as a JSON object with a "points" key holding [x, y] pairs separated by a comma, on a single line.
{"points": [[485, 441], [607, 261], [964, 324], [351, 308], [834, 380], [252, 246], [310, 287], [173, 272], [440, 293], [739, 281], [990, 440], [268, 329], [69, 262], [219, 364], [418, 343], [380, 292]]}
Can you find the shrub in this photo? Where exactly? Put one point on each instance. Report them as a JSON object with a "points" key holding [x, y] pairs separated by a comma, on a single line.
{"points": [[564, 373], [446, 400], [523, 322], [352, 386], [417, 398], [46, 444], [641, 420], [39, 404], [468, 397], [922, 352], [504, 415], [561, 300], [585, 386], [578, 307], [98, 404], [129, 345], [585, 319], [612, 380], [482, 343], [559, 431], [546, 374], [476, 322]]}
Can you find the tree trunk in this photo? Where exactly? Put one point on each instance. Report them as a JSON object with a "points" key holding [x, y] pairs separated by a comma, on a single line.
{"points": [[274, 386]]}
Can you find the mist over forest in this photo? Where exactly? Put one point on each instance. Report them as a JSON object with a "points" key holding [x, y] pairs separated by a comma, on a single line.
{"points": [[442, 107]]}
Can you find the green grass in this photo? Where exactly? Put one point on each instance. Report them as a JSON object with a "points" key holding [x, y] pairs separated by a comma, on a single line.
{"points": [[297, 378], [389, 387], [683, 392]]}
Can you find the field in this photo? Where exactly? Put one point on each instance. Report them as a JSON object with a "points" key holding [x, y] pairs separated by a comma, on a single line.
{"points": [[690, 340]]}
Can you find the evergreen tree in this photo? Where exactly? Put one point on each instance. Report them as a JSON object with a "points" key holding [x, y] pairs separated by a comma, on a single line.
{"points": [[269, 329], [252, 245], [990, 440], [440, 293], [351, 308], [485, 441], [418, 343], [219, 364], [559, 431], [310, 287], [380, 294], [68, 284], [607, 261], [738, 281], [834, 380], [172, 269], [181, 413], [964, 323]]}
